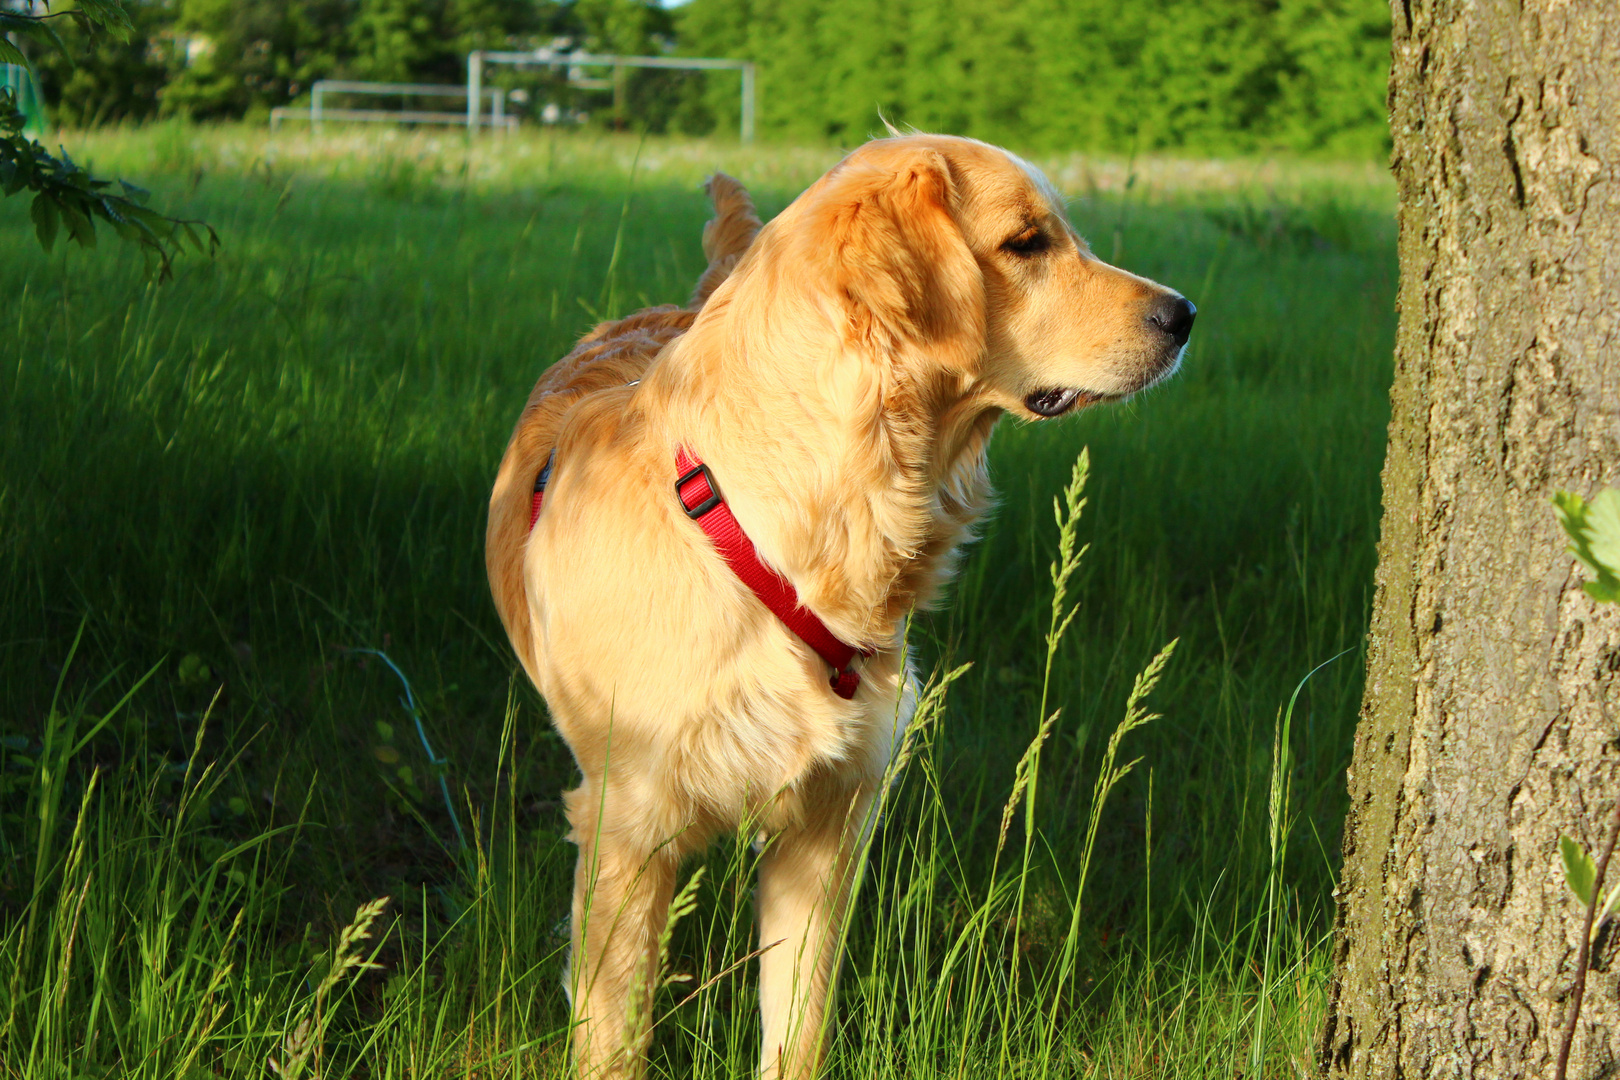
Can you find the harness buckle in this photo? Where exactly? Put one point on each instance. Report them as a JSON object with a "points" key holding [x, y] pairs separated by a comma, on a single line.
{"points": [[714, 500]]}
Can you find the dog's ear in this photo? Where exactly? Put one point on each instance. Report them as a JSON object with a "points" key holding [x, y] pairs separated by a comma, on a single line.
{"points": [[898, 261]]}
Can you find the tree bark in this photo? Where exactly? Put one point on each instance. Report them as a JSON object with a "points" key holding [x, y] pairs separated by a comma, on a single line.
{"points": [[1484, 732]]}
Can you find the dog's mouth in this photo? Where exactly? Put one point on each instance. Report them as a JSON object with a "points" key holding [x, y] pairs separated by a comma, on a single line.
{"points": [[1058, 401], [1062, 399]]}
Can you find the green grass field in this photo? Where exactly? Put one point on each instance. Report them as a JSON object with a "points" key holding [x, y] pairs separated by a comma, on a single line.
{"points": [[213, 491]]}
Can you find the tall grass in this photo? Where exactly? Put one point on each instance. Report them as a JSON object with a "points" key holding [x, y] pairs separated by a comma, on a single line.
{"points": [[216, 494]]}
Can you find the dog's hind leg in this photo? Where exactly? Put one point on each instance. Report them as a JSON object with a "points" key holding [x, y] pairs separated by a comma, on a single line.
{"points": [[622, 892], [805, 880]]}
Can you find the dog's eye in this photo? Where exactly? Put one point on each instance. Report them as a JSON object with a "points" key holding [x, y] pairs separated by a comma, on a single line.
{"points": [[1030, 241]]}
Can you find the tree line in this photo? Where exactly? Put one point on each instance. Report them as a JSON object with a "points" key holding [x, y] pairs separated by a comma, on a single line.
{"points": [[232, 59], [1224, 76], [1244, 75]]}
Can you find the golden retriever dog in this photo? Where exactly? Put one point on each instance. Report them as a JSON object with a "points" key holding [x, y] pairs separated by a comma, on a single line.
{"points": [[834, 381]]}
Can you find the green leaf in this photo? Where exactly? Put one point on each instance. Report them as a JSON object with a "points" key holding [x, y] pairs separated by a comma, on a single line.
{"points": [[1579, 870], [80, 227], [10, 54], [33, 27], [49, 31], [148, 219], [43, 211], [106, 13], [111, 210], [1603, 529], [1594, 532]]}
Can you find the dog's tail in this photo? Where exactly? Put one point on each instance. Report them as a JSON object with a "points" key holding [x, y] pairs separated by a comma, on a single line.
{"points": [[727, 235], [611, 355]]}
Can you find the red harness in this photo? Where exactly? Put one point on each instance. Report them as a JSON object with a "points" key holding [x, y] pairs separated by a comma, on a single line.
{"points": [[540, 483], [700, 497]]}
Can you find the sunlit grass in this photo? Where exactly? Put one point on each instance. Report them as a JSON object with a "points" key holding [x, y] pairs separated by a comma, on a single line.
{"points": [[284, 454]]}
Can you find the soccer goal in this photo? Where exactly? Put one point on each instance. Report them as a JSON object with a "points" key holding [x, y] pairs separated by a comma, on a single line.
{"points": [[318, 109], [578, 62]]}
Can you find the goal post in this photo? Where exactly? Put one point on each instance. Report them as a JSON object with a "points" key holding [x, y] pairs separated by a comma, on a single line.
{"points": [[557, 58]]}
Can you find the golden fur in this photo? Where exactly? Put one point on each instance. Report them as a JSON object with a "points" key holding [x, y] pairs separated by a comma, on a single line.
{"points": [[840, 371]]}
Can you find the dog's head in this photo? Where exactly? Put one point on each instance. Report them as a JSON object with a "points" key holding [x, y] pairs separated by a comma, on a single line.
{"points": [[952, 253]]}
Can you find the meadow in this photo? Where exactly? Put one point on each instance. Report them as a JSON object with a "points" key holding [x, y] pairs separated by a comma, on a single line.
{"points": [[252, 680]]}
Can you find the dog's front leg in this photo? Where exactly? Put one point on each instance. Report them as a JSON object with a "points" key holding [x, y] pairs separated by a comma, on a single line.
{"points": [[805, 880], [622, 892]]}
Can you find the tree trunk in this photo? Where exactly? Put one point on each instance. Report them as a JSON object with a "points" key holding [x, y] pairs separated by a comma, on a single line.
{"points": [[1485, 732]]}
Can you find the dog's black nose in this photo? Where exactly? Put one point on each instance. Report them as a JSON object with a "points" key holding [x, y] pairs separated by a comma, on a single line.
{"points": [[1174, 315]]}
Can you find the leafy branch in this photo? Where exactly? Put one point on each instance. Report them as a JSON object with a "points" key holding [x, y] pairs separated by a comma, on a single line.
{"points": [[92, 15], [1594, 532], [66, 195]]}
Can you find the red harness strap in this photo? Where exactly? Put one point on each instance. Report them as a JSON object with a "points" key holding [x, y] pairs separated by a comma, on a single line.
{"points": [[701, 497], [540, 483]]}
